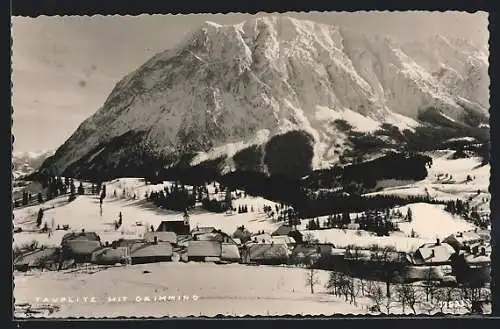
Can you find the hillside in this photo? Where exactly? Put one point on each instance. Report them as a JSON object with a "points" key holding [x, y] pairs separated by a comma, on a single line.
{"points": [[270, 83]]}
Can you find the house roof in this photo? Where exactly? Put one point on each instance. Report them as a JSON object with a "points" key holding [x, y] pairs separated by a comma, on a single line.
{"points": [[478, 259], [34, 258], [202, 230], [204, 249], [485, 234], [82, 247], [267, 251], [92, 236], [161, 236], [145, 249], [442, 252], [262, 237], [283, 239], [282, 230], [464, 237], [215, 236], [127, 242], [230, 251], [177, 226], [108, 254]]}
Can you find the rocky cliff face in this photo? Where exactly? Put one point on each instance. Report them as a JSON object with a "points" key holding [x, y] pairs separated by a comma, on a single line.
{"points": [[225, 88]]}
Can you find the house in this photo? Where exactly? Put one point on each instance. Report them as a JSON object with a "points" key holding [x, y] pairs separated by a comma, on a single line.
{"points": [[484, 234], [283, 239], [43, 258], [203, 230], [217, 235], [268, 254], [90, 236], [262, 238], [111, 256], [125, 242], [434, 254], [230, 252], [169, 237], [460, 240], [146, 252], [80, 249], [201, 250], [179, 227]]}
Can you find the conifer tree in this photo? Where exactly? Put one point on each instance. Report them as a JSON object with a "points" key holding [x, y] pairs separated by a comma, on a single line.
{"points": [[72, 195], [409, 215], [81, 190], [39, 217]]}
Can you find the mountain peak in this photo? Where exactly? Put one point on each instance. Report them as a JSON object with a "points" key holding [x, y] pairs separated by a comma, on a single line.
{"points": [[223, 84]]}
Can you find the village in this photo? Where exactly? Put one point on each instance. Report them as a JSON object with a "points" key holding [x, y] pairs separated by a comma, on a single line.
{"points": [[460, 260]]}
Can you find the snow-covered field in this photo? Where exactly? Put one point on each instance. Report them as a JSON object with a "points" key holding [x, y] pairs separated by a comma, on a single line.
{"points": [[218, 289]]}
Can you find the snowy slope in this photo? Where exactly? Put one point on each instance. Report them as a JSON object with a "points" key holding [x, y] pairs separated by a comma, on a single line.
{"points": [[84, 213], [222, 85]]}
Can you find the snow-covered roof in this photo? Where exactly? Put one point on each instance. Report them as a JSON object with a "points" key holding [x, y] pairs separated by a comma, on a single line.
{"points": [[435, 253], [464, 237], [263, 251], [283, 239], [145, 249], [204, 249]]}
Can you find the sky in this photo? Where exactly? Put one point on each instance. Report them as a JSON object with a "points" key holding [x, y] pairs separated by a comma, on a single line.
{"points": [[63, 68]]}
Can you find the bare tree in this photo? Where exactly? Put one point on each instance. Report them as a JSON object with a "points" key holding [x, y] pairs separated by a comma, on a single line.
{"points": [[429, 284], [442, 297], [388, 302], [407, 296], [312, 278], [474, 298], [383, 257], [376, 294], [332, 284], [345, 286]]}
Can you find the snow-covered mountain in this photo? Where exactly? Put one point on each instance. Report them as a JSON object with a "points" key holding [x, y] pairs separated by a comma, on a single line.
{"points": [[224, 88], [25, 163]]}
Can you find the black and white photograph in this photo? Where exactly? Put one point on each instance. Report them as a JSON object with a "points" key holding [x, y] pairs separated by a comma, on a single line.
{"points": [[269, 164]]}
